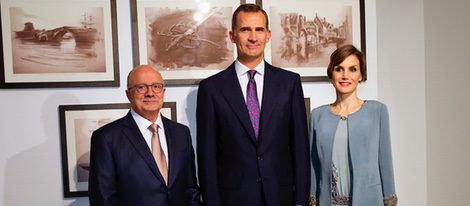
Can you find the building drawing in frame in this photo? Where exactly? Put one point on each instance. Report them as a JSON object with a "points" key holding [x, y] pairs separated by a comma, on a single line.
{"points": [[306, 32], [308, 40]]}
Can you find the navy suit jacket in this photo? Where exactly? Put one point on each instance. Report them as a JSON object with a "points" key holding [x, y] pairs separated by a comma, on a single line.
{"points": [[123, 170], [235, 168]]}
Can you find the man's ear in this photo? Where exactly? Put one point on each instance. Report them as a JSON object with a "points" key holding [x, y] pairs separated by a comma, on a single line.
{"points": [[128, 95], [232, 36], [269, 36]]}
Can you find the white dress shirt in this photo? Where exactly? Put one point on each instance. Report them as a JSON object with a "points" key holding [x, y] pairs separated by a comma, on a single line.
{"points": [[244, 77], [144, 124]]}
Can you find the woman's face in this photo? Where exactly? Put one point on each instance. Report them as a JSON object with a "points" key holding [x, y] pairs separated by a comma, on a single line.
{"points": [[347, 75]]}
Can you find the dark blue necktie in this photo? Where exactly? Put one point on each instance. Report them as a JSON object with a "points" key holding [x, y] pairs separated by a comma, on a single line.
{"points": [[252, 102]]}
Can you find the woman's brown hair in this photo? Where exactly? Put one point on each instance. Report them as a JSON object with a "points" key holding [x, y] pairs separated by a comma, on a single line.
{"points": [[340, 54]]}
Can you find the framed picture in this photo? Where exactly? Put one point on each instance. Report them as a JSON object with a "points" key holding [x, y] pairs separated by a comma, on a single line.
{"points": [[304, 33], [187, 40], [58, 43], [77, 123]]}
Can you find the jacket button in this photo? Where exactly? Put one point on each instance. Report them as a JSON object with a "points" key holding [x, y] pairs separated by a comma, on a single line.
{"points": [[258, 179], [260, 158]]}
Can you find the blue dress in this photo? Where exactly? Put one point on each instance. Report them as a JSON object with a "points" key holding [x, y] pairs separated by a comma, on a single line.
{"points": [[340, 167]]}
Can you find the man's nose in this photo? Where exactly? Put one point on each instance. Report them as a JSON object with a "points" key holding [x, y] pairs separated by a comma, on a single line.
{"points": [[252, 36]]}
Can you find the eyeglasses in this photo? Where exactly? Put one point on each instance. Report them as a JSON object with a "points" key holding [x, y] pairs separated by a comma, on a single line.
{"points": [[143, 88]]}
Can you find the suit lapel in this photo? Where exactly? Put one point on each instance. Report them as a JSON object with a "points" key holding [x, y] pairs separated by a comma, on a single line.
{"points": [[136, 138], [271, 86], [232, 92], [172, 145]]}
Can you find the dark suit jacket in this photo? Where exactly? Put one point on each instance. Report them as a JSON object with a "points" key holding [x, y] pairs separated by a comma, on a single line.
{"points": [[234, 167], [123, 170]]}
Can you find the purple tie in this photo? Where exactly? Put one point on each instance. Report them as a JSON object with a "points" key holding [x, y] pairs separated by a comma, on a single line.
{"points": [[252, 102]]}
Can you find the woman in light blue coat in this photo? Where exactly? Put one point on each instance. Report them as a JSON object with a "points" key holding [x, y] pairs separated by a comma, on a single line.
{"points": [[351, 152]]}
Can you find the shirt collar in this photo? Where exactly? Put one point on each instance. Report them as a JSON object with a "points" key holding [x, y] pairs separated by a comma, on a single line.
{"points": [[143, 123], [242, 69]]}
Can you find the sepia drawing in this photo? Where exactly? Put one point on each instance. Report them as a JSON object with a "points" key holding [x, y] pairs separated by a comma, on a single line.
{"points": [[185, 39], [57, 44], [307, 40], [83, 130]]}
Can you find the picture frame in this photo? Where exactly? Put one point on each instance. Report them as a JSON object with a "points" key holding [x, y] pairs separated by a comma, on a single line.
{"points": [[186, 40], [306, 32], [77, 123], [58, 43]]}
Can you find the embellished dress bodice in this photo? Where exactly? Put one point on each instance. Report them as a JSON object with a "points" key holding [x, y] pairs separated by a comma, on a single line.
{"points": [[342, 177]]}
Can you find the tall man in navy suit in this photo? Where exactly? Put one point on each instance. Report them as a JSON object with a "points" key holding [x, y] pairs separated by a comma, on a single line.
{"points": [[252, 139], [143, 158]]}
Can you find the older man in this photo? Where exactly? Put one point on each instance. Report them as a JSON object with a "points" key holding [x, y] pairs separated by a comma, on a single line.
{"points": [[143, 158]]}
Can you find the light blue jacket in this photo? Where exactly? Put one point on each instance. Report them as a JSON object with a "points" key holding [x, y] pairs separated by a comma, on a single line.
{"points": [[370, 150]]}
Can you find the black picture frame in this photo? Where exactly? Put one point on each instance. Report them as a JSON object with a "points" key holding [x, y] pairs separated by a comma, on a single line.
{"points": [[77, 123], [75, 45]]}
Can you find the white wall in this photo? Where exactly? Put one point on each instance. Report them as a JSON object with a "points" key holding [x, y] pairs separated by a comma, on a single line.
{"points": [[400, 54], [447, 100], [422, 56], [30, 162]]}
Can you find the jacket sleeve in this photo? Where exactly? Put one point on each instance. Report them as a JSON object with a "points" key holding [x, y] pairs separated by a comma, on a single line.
{"points": [[314, 162], [385, 159], [300, 145], [206, 147], [101, 185], [192, 191]]}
